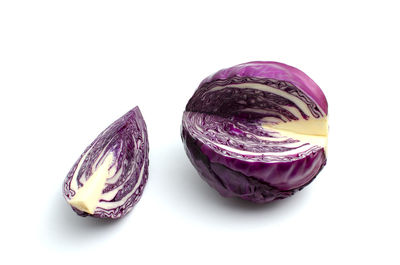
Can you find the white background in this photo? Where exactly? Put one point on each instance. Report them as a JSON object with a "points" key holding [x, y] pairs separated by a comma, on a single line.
{"points": [[70, 68]]}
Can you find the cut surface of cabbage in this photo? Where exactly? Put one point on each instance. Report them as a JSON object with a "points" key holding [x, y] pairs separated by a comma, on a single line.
{"points": [[254, 140], [109, 177]]}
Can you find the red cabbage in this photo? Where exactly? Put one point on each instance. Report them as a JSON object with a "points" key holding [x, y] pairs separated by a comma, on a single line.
{"points": [[257, 131], [109, 177]]}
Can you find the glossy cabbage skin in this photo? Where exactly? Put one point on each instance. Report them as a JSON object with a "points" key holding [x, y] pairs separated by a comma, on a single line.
{"points": [[235, 154], [109, 177]]}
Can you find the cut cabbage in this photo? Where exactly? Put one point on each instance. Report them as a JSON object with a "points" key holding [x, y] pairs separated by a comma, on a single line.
{"points": [[109, 177], [257, 131]]}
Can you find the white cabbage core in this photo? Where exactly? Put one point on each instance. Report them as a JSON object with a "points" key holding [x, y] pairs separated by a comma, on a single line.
{"points": [[87, 197], [313, 131]]}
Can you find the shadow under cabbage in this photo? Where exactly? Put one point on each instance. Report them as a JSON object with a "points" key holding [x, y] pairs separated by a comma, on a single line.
{"points": [[64, 226]]}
